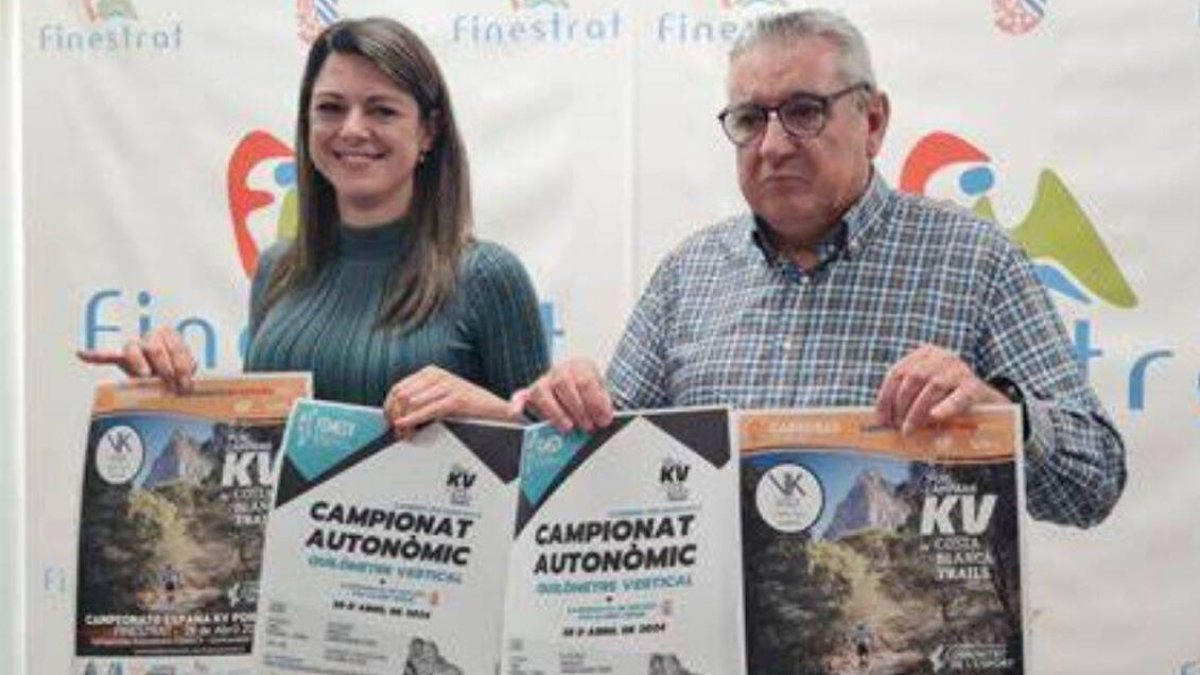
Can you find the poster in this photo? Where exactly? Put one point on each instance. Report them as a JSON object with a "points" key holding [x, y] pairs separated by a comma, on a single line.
{"points": [[868, 551], [626, 558], [387, 556], [176, 490]]}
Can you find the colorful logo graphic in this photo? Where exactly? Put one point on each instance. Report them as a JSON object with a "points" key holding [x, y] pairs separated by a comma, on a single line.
{"points": [[109, 26], [518, 5], [255, 152], [314, 16], [1069, 255], [1018, 17], [103, 10]]}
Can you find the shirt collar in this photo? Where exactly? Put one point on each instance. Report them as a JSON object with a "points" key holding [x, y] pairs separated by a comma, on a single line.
{"points": [[375, 242], [852, 232]]}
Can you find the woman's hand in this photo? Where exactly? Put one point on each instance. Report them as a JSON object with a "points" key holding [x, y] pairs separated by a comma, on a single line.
{"points": [[159, 353], [432, 393]]}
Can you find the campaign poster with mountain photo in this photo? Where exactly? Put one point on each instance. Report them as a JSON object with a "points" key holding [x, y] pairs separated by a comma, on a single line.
{"points": [[176, 491], [868, 552]]}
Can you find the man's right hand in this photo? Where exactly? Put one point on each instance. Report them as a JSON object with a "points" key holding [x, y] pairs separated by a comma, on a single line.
{"points": [[159, 353], [571, 395]]}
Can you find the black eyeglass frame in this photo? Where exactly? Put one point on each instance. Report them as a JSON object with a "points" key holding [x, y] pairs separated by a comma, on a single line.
{"points": [[826, 102]]}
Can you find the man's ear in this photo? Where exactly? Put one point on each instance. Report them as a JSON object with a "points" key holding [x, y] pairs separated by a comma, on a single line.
{"points": [[879, 111]]}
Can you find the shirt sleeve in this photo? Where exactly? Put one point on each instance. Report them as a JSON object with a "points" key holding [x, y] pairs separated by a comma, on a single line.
{"points": [[637, 374], [506, 323], [1074, 457]]}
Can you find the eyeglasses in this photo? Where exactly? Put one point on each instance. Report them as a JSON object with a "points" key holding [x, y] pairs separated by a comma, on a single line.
{"points": [[803, 115]]}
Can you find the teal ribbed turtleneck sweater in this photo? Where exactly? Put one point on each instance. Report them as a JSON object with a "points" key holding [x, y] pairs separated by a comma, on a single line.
{"points": [[488, 333]]}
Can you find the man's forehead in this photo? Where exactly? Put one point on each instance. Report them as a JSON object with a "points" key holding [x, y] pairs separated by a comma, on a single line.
{"points": [[777, 69]]}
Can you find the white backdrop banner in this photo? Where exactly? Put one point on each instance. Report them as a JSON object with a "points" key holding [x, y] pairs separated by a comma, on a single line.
{"points": [[158, 161]]}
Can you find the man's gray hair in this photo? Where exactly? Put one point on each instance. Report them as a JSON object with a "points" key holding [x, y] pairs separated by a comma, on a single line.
{"points": [[787, 27]]}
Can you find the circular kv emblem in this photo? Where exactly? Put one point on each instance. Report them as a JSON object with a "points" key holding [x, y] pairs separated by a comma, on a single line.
{"points": [[789, 497], [119, 455]]}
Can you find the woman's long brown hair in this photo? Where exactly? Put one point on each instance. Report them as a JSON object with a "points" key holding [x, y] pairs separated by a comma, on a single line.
{"points": [[441, 206]]}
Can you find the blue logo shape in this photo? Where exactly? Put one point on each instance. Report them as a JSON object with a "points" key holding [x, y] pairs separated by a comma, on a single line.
{"points": [[319, 435], [544, 454]]}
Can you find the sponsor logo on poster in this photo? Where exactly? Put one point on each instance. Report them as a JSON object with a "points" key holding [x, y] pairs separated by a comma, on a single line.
{"points": [[1017, 17], [524, 23], [109, 27], [673, 477], [1070, 257], [789, 498], [458, 485], [119, 455]]}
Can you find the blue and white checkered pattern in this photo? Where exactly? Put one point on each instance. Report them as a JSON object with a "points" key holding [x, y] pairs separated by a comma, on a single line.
{"points": [[725, 320]]}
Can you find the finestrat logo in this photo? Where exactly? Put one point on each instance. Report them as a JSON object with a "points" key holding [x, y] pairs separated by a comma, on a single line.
{"points": [[1070, 257], [109, 26], [537, 22], [252, 156], [718, 24]]}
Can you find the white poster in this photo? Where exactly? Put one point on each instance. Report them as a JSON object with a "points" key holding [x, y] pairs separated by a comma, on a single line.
{"points": [[386, 555], [626, 558]]}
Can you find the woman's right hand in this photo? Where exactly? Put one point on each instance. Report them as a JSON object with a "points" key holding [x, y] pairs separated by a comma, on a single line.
{"points": [[159, 353]]}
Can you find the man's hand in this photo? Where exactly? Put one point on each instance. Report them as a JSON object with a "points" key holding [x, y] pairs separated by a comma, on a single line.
{"points": [[928, 386], [432, 393], [159, 353], [570, 395]]}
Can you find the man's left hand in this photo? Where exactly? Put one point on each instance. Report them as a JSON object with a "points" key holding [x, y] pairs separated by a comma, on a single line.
{"points": [[928, 386]]}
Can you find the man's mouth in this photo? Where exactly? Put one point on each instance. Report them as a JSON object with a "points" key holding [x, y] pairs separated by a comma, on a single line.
{"points": [[783, 178]]}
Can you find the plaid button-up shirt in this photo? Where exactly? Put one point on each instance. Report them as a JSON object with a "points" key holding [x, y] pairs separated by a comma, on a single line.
{"points": [[727, 320]]}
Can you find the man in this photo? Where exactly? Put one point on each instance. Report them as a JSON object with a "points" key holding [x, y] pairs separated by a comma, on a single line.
{"points": [[835, 290]]}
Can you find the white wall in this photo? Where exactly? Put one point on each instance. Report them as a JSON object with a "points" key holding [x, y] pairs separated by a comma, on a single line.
{"points": [[11, 477]]}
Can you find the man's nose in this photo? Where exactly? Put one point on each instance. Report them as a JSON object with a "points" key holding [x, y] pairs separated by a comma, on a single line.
{"points": [[776, 142]]}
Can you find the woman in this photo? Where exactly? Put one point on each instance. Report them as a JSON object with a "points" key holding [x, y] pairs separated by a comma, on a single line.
{"points": [[384, 294]]}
